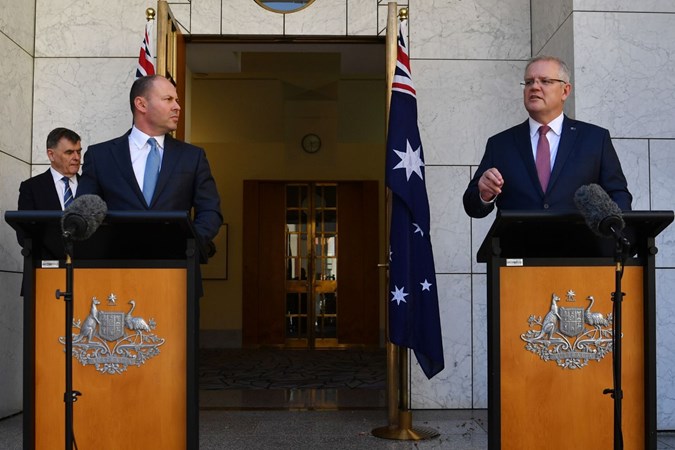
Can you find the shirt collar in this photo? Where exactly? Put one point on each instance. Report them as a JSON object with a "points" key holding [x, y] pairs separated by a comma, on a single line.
{"points": [[140, 139], [556, 125], [58, 176]]}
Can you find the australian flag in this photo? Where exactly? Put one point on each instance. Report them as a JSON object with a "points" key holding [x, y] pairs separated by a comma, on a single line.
{"points": [[414, 319], [146, 66]]}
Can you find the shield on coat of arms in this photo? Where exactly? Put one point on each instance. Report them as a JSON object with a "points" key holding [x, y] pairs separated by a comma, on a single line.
{"points": [[571, 321], [111, 325]]}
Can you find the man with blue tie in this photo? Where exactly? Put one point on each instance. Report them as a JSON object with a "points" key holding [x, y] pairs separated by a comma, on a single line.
{"points": [[147, 169], [55, 188], [540, 163]]}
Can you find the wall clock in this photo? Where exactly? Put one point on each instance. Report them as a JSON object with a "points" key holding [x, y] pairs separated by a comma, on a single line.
{"points": [[311, 143]]}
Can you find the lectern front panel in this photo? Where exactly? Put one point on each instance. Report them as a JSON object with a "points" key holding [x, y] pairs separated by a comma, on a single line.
{"points": [[130, 336], [555, 361]]}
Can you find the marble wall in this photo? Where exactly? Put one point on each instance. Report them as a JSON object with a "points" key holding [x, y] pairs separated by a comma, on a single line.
{"points": [[467, 60], [85, 61], [16, 90]]}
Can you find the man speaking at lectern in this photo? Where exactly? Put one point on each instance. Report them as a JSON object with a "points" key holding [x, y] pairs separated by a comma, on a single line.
{"points": [[147, 169], [539, 164]]}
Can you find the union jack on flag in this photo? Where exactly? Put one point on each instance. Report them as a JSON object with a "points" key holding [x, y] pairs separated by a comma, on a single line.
{"points": [[414, 318], [146, 65]]}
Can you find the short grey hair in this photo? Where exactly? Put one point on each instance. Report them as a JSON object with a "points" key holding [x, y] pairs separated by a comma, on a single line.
{"points": [[57, 134], [563, 71]]}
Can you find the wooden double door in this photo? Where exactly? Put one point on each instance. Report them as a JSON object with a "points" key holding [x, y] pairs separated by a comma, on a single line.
{"points": [[310, 264]]}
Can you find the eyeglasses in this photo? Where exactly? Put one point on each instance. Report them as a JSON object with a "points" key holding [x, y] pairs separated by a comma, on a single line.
{"points": [[546, 82]]}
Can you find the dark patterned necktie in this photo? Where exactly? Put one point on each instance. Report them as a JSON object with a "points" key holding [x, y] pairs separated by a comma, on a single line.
{"points": [[67, 193]]}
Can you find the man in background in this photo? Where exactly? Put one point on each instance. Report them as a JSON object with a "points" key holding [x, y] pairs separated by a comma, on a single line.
{"points": [[55, 188], [539, 164]]}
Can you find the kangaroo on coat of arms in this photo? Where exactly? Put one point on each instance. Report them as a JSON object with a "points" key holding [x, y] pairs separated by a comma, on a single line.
{"points": [[88, 328]]}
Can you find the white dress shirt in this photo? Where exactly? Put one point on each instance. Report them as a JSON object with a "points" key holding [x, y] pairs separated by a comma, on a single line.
{"points": [[139, 149], [60, 187]]}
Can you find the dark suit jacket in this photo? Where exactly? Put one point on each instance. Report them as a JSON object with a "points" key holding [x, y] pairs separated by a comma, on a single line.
{"points": [[585, 155], [38, 194], [185, 182]]}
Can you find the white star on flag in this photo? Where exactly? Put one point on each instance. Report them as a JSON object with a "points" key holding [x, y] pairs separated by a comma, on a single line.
{"points": [[399, 295], [418, 229], [426, 285], [410, 161]]}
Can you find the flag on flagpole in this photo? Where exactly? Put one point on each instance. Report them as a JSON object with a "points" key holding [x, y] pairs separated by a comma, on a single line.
{"points": [[414, 319], [146, 65]]}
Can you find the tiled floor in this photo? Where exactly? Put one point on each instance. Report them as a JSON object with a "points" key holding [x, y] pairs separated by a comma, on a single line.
{"points": [[460, 430], [302, 400], [344, 430]]}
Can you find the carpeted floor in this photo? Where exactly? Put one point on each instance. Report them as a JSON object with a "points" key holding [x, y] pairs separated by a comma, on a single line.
{"points": [[222, 369]]}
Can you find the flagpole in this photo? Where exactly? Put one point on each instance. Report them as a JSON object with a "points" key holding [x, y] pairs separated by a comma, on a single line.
{"points": [[398, 373], [392, 350], [150, 14], [162, 32]]}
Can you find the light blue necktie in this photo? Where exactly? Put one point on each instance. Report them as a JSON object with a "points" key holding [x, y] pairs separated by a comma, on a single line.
{"points": [[67, 193], [151, 171]]}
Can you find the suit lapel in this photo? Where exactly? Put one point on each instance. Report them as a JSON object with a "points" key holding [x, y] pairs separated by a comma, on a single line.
{"points": [[568, 137], [122, 156], [47, 186], [524, 145]]}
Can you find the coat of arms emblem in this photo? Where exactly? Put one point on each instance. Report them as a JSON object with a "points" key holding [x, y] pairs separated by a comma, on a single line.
{"points": [[570, 336], [113, 340]]}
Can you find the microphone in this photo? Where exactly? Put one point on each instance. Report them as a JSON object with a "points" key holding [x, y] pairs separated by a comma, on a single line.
{"points": [[603, 216], [82, 217]]}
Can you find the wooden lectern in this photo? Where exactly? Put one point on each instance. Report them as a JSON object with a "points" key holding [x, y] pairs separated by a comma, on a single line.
{"points": [[550, 282], [135, 331]]}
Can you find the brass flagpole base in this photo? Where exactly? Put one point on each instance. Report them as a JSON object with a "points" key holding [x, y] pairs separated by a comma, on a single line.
{"points": [[404, 431]]}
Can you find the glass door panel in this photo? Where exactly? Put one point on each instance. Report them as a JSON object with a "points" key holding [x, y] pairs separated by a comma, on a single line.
{"points": [[311, 265]]}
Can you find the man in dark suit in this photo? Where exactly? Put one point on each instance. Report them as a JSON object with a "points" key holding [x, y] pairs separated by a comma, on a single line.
{"points": [[53, 189], [46, 191], [540, 163], [147, 169]]}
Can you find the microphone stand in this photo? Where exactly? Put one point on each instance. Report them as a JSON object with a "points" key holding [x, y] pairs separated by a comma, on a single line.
{"points": [[620, 255], [70, 396]]}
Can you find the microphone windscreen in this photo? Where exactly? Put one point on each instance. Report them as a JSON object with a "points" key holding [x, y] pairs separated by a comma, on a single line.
{"points": [[598, 209], [83, 217]]}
